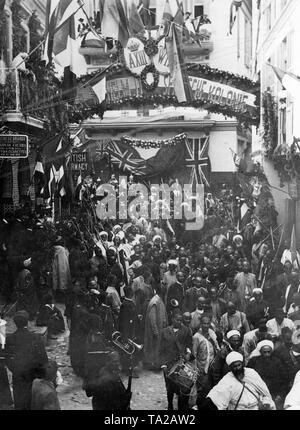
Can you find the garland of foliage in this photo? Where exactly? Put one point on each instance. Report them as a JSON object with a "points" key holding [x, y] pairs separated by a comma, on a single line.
{"points": [[170, 99], [19, 40], [286, 160], [152, 70], [167, 100], [226, 78], [157, 144], [270, 123]]}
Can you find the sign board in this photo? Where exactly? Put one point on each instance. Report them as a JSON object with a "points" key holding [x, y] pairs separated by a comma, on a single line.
{"points": [[79, 161], [119, 88], [135, 56], [221, 94], [13, 146]]}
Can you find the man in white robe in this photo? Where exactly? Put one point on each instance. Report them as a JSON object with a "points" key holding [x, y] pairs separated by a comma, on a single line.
{"points": [[240, 389], [292, 401]]}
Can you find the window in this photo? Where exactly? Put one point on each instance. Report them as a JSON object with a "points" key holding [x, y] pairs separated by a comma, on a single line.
{"points": [[198, 11], [282, 125], [284, 54], [268, 13], [248, 43]]}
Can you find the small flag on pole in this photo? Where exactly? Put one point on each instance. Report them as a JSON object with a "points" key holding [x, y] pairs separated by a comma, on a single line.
{"points": [[289, 80]]}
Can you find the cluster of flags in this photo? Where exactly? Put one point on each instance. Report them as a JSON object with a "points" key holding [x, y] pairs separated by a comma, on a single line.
{"points": [[52, 174], [120, 20], [61, 41], [174, 27]]}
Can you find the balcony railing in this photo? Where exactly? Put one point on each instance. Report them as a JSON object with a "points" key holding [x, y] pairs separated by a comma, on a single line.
{"points": [[20, 92]]}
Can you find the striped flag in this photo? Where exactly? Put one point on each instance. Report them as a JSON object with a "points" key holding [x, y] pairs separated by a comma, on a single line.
{"points": [[60, 173], [78, 191], [39, 175], [50, 189]]}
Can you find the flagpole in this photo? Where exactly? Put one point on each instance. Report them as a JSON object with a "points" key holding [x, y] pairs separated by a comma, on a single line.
{"points": [[30, 53], [273, 245], [59, 207]]}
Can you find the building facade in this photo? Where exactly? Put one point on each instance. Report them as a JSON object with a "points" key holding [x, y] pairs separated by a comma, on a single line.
{"points": [[276, 34], [18, 91], [220, 50]]}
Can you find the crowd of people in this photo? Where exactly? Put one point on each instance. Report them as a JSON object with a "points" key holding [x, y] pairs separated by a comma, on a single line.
{"points": [[219, 317]]}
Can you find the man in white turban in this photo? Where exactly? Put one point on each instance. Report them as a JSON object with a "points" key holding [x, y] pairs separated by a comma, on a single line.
{"points": [[240, 389], [271, 370]]}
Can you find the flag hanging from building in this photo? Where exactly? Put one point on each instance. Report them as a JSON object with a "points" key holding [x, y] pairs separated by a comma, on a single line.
{"points": [[179, 76], [135, 23], [97, 86], [197, 160], [39, 175], [289, 80], [78, 190], [125, 158], [58, 13], [234, 7], [114, 22], [144, 11], [293, 248], [62, 44], [56, 155], [49, 190], [59, 169], [167, 19]]}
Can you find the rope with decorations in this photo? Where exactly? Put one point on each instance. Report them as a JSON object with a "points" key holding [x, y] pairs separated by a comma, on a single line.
{"points": [[154, 144]]}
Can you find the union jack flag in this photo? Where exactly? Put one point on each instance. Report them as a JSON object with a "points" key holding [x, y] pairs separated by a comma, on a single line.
{"points": [[126, 158], [197, 160], [101, 150]]}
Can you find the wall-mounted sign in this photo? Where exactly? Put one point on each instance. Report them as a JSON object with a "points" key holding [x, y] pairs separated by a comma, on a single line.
{"points": [[221, 94], [80, 161], [13, 146], [135, 56]]}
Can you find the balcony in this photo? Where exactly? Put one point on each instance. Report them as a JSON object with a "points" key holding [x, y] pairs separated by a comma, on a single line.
{"points": [[20, 98], [193, 50]]}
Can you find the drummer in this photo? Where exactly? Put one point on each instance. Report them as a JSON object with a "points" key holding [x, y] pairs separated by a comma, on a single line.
{"points": [[176, 344]]}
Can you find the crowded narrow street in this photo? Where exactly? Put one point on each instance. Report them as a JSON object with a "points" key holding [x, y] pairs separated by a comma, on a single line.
{"points": [[149, 206]]}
